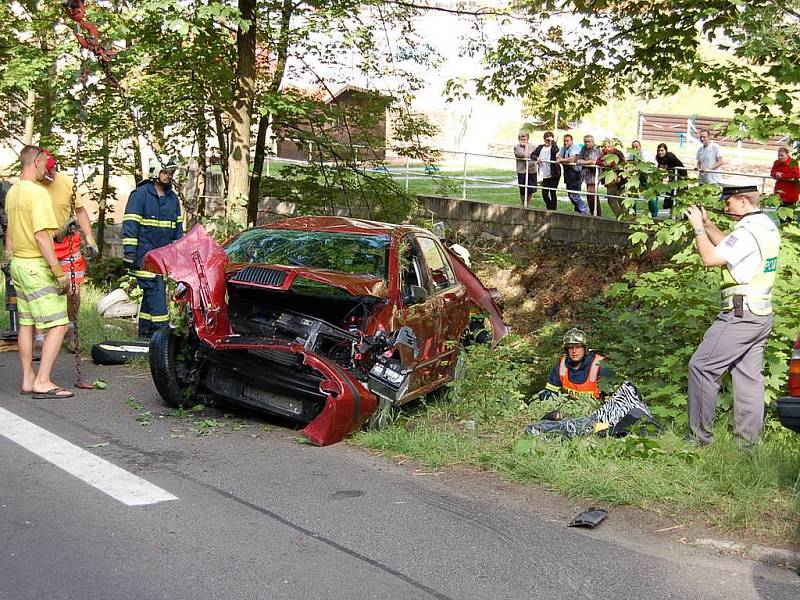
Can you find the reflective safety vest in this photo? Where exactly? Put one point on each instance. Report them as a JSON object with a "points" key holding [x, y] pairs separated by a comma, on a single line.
{"points": [[580, 390], [758, 291]]}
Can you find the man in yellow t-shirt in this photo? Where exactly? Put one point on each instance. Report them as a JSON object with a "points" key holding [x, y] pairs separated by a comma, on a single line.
{"points": [[37, 275], [68, 244]]}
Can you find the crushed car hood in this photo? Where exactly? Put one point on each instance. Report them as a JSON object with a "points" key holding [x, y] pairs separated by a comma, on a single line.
{"points": [[357, 284]]}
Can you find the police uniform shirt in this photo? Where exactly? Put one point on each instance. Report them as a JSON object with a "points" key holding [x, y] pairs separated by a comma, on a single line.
{"points": [[740, 250]]}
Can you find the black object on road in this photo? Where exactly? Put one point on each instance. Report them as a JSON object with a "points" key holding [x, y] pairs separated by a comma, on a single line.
{"points": [[590, 518], [118, 352]]}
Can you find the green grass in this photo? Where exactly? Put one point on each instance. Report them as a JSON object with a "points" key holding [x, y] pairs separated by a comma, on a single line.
{"points": [[751, 493]]}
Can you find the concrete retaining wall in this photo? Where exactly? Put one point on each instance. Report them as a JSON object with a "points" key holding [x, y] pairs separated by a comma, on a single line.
{"points": [[470, 217]]}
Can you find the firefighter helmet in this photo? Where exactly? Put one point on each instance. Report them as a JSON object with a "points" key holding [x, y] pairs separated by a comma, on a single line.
{"points": [[575, 337]]}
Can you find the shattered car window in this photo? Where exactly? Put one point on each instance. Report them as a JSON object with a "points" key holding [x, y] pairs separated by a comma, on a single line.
{"points": [[345, 252]]}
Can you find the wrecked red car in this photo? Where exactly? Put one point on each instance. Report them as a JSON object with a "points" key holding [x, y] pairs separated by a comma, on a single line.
{"points": [[316, 319]]}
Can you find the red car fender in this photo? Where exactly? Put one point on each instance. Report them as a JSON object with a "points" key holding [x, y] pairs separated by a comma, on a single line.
{"points": [[347, 408], [198, 262], [479, 296]]}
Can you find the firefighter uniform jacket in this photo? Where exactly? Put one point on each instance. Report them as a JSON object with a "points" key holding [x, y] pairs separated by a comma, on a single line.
{"points": [[577, 379], [150, 222]]}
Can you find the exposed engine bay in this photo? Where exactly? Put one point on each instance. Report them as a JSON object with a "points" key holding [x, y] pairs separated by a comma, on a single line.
{"points": [[256, 312]]}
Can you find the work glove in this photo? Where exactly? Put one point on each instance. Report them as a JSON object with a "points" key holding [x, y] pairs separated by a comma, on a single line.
{"points": [[64, 230], [92, 251], [128, 258], [62, 285], [8, 254]]}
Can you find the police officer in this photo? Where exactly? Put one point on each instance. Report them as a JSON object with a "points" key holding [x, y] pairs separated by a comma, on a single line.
{"points": [[735, 341], [152, 220], [579, 371]]}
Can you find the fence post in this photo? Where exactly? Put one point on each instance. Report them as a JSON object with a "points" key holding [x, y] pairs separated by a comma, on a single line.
{"points": [[267, 159], [407, 170], [464, 182]]}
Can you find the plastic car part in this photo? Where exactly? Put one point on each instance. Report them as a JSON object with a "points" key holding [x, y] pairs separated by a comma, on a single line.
{"points": [[118, 353], [789, 412], [347, 407], [590, 518]]}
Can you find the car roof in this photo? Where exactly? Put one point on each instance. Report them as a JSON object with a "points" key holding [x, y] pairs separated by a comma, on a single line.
{"points": [[345, 225]]}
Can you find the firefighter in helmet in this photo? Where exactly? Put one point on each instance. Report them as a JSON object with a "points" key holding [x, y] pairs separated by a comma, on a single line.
{"points": [[580, 371], [152, 219]]}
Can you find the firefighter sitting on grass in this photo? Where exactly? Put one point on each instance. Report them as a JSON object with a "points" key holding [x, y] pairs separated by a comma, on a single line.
{"points": [[580, 370], [580, 374]]}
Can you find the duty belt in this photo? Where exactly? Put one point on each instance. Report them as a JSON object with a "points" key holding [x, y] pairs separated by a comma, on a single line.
{"points": [[748, 292]]}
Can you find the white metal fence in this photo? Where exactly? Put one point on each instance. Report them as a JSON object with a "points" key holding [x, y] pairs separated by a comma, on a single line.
{"points": [[458, 172]]}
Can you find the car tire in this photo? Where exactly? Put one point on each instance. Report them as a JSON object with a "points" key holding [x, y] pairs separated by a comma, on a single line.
{"points": [[117, 352], [164, 369]]}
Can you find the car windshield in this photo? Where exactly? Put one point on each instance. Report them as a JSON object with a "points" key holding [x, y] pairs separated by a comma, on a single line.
{"points": [[345, 252]]}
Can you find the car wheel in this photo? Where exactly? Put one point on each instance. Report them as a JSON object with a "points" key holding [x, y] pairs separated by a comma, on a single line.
{"points": [[168, 365]]}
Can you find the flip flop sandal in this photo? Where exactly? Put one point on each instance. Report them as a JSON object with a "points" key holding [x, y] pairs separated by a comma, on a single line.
{"points": [[26, 392], [53, 394]]}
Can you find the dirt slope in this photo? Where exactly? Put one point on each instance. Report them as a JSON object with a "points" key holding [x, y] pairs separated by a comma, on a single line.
{"points": [[548, 281]]}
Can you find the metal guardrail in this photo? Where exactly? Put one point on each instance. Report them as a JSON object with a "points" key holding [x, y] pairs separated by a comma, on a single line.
{"points": [[408, 173]]}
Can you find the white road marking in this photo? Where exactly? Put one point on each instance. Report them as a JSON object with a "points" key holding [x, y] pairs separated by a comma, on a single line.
{"points": [[97, 472]]}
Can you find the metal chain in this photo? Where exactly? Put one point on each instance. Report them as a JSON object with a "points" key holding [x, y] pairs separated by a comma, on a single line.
{"points": [[84, 98]]}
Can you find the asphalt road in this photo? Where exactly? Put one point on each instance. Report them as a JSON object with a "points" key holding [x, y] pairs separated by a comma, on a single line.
{"points": [[258, 515]]}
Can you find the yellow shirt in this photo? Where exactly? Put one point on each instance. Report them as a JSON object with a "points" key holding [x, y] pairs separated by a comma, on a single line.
{"points": [[29, 210], [60, 190]]}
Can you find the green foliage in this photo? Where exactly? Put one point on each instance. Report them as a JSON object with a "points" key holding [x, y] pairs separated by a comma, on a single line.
{"points": [[104, 273], [650, 324], [131, 287], [496, 381], [741, 50], [222, 227]]}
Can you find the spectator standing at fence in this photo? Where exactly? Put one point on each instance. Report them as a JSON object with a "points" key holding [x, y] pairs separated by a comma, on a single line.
{"points": [[568, 159], [611, 159], [787, 178], [548, 169], [709, 159], [587, 159], [667, 161], [526, 170], [639, 156]]}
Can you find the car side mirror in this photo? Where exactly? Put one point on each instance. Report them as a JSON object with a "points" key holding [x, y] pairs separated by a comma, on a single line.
{"points": [[416, 295]]}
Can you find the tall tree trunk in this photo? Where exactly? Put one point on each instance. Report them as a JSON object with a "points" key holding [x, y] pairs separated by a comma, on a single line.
{"points": [[258, 169], [222, 142], [264, 122], [240, 114], [202, 165], [101, 209], [44, 104], [138, 173], [30, 117]]}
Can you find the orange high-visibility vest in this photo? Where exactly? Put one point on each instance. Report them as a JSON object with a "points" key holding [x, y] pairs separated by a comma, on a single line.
{"points": [[588, 387]]}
